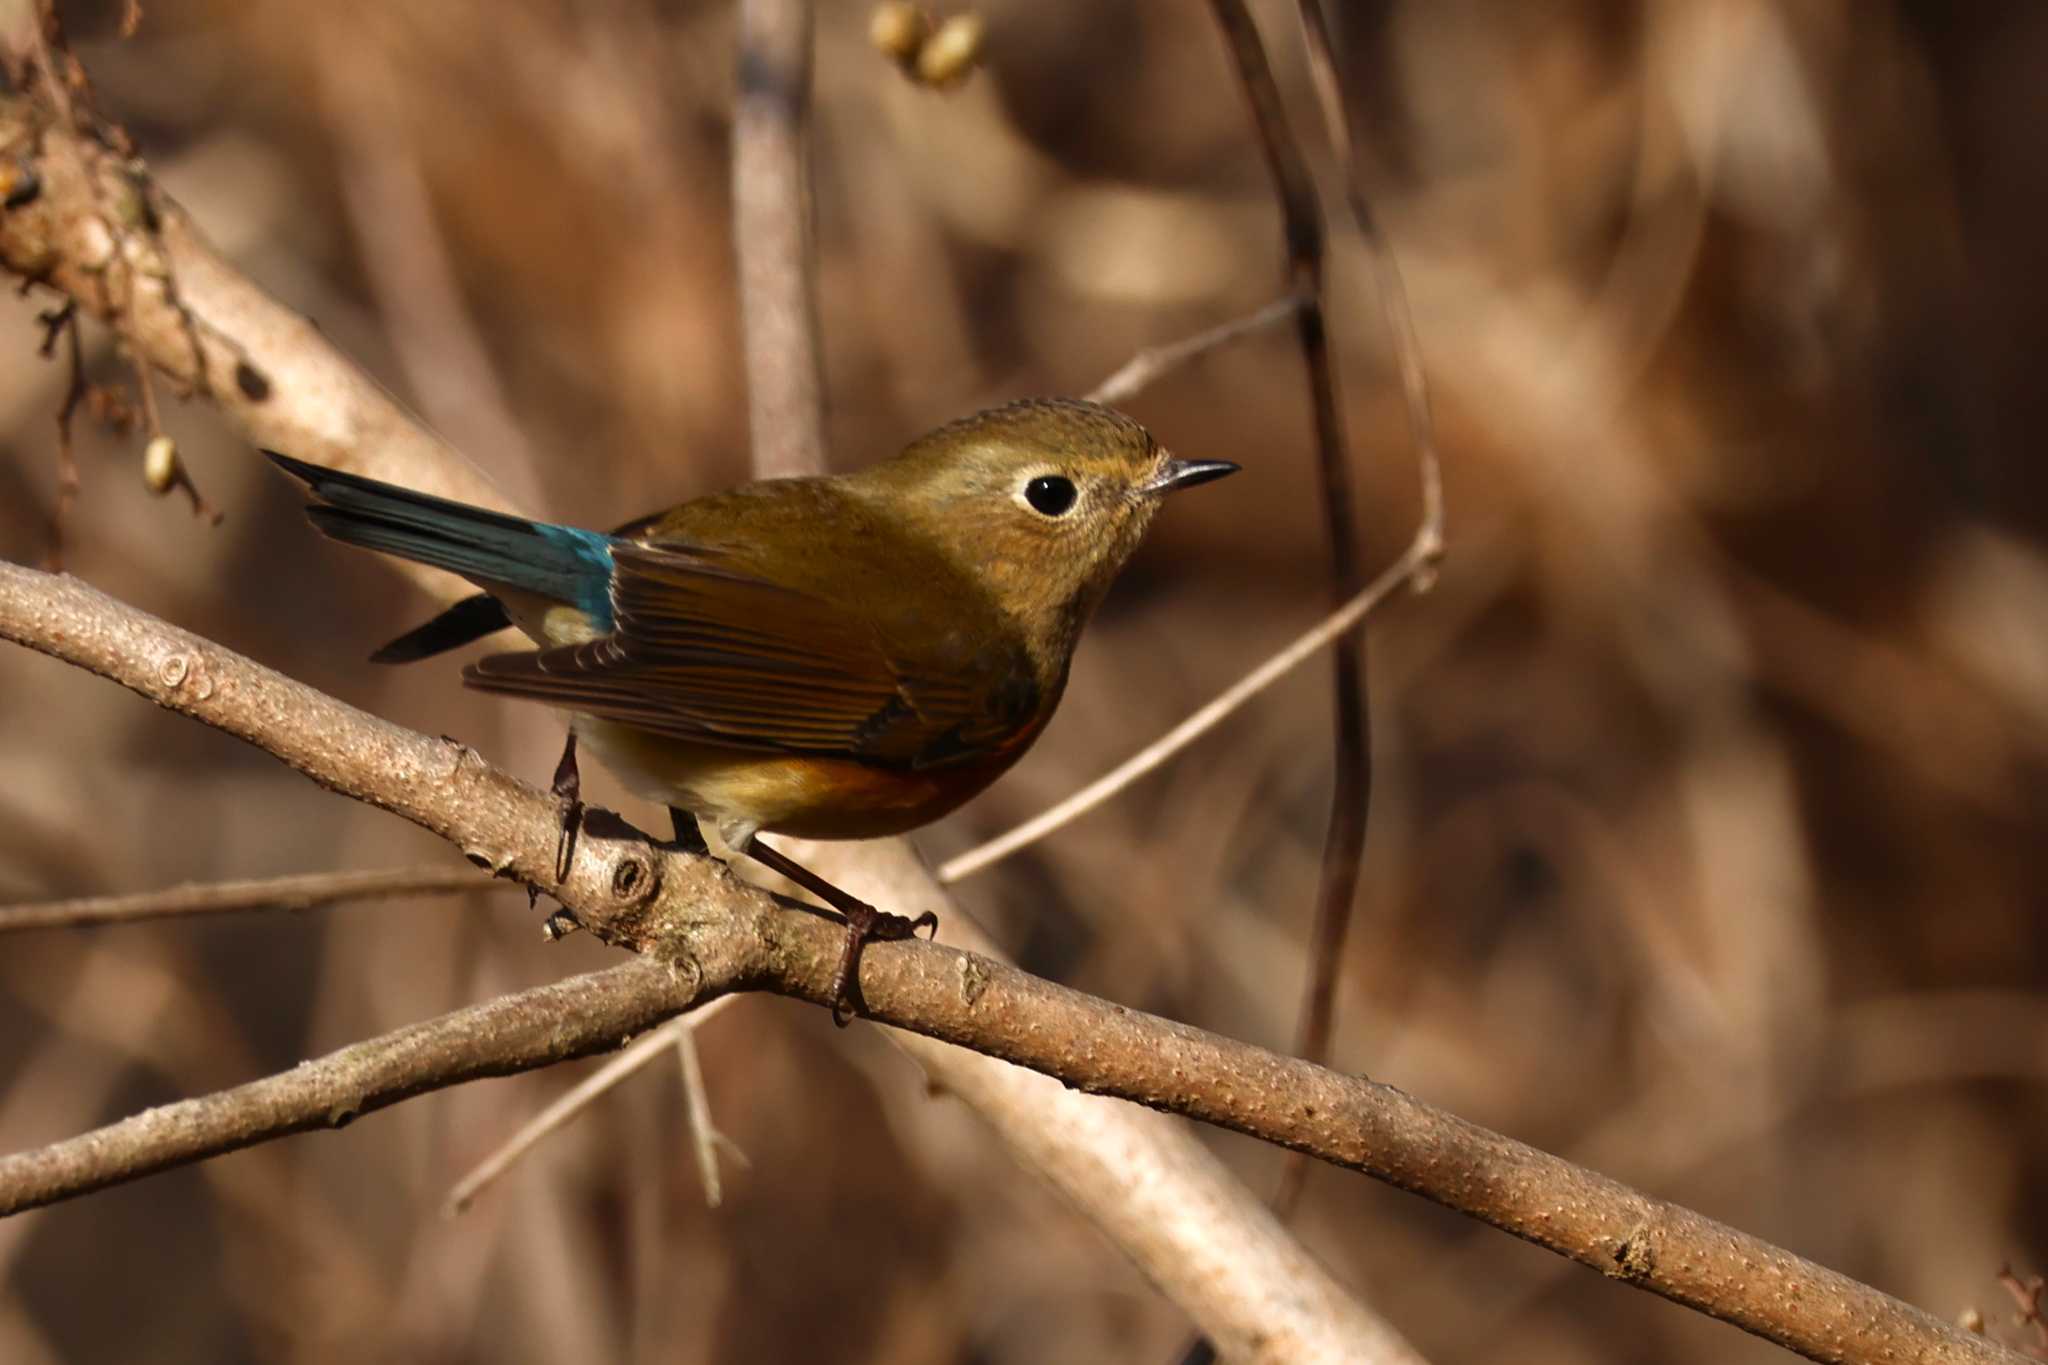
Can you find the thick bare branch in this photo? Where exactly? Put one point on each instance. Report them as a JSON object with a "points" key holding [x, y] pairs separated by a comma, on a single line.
{"points": [[616, 886], [705, 933]]}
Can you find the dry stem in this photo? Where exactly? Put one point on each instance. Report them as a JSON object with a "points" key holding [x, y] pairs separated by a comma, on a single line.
{"points": [[300, 892], [772, 234], [579, 1098], [1351, 790]]}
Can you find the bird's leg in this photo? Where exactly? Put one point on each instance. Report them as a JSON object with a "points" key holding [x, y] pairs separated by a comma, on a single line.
{"points": [[864, 925], [688, 838], [568, 789]]}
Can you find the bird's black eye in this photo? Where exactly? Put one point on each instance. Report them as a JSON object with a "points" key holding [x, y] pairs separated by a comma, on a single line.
{"points": [[1050, 495]]}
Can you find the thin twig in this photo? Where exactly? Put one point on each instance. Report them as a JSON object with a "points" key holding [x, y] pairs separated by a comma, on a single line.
{"points": [[1153, 363], [557, 1115], [705, 1139], [301, 892], [1318, 1016], [1318, 1013], [64, 320], [1351, 789], [772, 235], [1197, 724], [1387, 282]]}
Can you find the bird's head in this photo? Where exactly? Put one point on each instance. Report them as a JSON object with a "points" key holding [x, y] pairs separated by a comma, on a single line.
{"points": [[1043, 501]]}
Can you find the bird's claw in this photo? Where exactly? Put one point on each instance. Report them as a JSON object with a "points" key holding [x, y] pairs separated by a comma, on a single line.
{"points": [[565, 846], [864, 926], [568, 789]]}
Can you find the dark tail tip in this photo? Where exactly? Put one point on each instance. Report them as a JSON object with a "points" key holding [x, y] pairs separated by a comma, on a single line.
{"points": [[470, 619], [307, 474]]}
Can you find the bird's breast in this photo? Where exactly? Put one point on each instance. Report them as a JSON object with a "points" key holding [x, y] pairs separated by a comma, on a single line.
{"points": [[804, 795]]}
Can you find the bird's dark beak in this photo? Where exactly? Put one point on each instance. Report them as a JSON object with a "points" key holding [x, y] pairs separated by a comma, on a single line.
{"points": [[1178, 474]]}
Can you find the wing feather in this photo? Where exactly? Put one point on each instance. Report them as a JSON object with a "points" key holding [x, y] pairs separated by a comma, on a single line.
{"points": [[704, 651]]}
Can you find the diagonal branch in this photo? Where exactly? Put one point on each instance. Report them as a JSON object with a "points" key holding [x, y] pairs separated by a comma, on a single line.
{"points": [[513, 1033], [1196, 1231], [1199, 722]]}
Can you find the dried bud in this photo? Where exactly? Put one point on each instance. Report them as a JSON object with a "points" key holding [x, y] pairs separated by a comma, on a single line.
{"points": [[953, 51], [160, 465], [898, 31]]}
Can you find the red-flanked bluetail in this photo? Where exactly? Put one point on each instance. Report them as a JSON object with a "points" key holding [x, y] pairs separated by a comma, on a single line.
{"points": [[841, 657]]}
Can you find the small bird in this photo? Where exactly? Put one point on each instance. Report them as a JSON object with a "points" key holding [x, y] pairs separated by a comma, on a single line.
{"points": [[839, 657]]}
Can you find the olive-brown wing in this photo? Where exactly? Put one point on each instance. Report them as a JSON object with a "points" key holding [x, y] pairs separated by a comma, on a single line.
{"points": [[702, 650]]}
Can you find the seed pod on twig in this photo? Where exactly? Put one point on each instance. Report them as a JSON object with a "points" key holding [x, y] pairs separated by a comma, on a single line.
{"points": [[898, 31], [953, 51], [160, 469]]}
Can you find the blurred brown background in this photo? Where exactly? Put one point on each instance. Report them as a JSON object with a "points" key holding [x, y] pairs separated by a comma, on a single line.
{"points": [[1705, 845]]}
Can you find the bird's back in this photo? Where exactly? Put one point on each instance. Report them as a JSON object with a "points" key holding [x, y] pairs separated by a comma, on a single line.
{"points": [[831, 547], [789, 616]]}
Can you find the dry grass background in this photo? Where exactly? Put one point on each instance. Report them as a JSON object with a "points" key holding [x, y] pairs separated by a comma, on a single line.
{"points": [[1705, 846]]}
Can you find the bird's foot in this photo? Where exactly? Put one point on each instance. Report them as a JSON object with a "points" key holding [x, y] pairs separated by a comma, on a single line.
{"points": [[865, 925], [568, 789], [689, 839]]}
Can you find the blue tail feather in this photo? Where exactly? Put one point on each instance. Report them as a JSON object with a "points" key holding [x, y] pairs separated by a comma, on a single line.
{"points": [[490, 549]]}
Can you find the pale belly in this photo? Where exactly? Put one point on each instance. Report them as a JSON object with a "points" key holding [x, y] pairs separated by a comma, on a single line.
{"points": [[810, 798]]}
